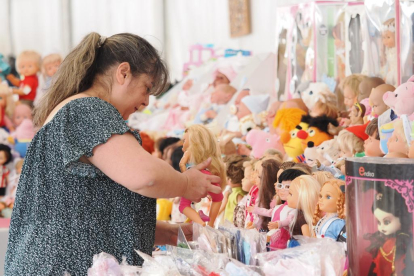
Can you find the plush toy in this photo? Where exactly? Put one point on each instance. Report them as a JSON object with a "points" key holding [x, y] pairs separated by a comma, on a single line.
{"points": [[232, 123], [23, 136], [291, 142], [5, 68], [317, 131], [317, 91], [402, 99], [329, 150], [260, 141], [411, 150], [312, 155]]}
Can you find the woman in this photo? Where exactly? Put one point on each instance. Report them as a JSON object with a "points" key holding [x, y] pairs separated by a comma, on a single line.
{"points": [[87, 185]]}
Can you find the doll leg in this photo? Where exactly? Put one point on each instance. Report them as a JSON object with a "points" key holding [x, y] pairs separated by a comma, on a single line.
{"points": [[214, 210], [193, 215]]}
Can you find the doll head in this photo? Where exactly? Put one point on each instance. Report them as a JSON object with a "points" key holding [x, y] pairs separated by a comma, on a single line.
{"points": [[285, 166], [21, 112], [329, 150], [366, 86], [202, 144], [350, 88], [283, 183], [351, 140], [331, 200], [224, 75], [376, 99], [398, 142], [50, 64], [372, 144], [222, 94], [357, 114], [28, 63], [322, 176], [247, 182], [320, 108], [303, 195], [388, 33], [235, 169], [257, 173], [267, 187], [5, 154]]}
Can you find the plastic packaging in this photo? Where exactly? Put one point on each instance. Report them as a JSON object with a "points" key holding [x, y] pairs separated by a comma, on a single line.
{"points": [[407, 39], [106, 264]]}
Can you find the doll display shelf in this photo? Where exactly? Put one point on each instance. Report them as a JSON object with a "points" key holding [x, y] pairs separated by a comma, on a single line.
{"points": [[380, 209]]}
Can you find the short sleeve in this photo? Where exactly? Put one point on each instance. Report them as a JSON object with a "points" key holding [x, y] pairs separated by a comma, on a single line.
{"points": [[334, 229], [83, 124]]}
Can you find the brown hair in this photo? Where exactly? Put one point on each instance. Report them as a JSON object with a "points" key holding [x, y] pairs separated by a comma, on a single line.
{"points": [[235, 168], [287, 165], [303, 167], [267, 187], [90, 63], [353, 82], [339, 204], [372, 128], [327, 109]]}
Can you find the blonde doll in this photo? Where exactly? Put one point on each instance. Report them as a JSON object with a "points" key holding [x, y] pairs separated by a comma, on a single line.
{"points": [[398, 145], [303, 196], [388, 40], [50, 64], [199, 145], [350, 89], [331, 204], [253, 194], [322, 176], [351, 140]]}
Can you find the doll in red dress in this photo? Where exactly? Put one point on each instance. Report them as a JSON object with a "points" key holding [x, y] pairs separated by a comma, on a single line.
{"points": [[391, 246]]}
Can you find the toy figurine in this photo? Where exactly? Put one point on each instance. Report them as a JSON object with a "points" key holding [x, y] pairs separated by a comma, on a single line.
{"points": [[376, 99], [391, 245], [199, 145], [303, 196], [331, 204], [372, 144], [351, 140], [388, 40], [50, 65], [350, 88], [5, 158], [399, 142]]}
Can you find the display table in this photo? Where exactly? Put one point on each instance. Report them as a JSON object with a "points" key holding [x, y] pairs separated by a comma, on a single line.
{"points": [[4, 235]]}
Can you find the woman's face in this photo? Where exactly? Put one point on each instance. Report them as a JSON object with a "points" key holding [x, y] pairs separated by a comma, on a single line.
{"points": [[387, 223]]}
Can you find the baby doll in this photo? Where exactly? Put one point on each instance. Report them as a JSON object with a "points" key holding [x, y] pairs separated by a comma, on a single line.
{"points": [[199, 145], [390, 245], [351, 140], [356, 116], [376, 99], [28, 65], [372, 144], [398, 142], [303, 196], [331, 204], [388, 40], [235, 174], [50, 65], [350, 88], [366, 86], [5, 158]]}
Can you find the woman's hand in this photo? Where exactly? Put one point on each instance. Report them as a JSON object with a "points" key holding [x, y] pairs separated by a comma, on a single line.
{"points": [[199, 184]]}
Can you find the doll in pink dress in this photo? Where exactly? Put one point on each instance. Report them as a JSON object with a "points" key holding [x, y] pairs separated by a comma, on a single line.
{"points": [[200, 144]]}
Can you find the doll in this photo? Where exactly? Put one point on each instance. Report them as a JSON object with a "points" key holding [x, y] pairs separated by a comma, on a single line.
{"points": [[253, 195], [6, 111], [376, 99], [199, 145], [320, 108], [28, 65], [351, 140], [331, 204], [398, 142], [5, 68], [232, 123], [372, 144], [7, 202], [50, 65], [356, 116], [366, 86], [350, 88], [338, 33], [391, 245], [322, 176], [388, 40], [303, 196], [5, 158]]}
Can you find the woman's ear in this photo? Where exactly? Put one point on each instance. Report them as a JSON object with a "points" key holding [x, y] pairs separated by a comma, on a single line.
{"points": [[123, 73]]}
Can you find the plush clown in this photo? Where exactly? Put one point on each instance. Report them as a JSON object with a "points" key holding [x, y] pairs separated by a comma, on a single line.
{"points": [[291, 142], [317, 131]]}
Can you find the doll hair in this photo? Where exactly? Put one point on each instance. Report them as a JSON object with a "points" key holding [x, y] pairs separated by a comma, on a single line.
{"points": [[203, 144], [303, 167], [52, 58], [235, 168], [339, 164], [353, 82], [176, 156], [328, 109], [7, 151], [267, 187], [273, 153], [389, 25], [322, 176], [349, 142], [91, 62], [288, 118], [336, 183], [31, 55], [287, 165], [372, 128], [308, 189], [168, 141], [360, 108]]}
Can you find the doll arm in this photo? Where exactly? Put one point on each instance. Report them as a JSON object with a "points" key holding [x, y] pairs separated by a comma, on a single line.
{"points": [[305, 230], [286, 222], [13, 80], [214, 209], [262, 211], [184, 160], [193, 215]]}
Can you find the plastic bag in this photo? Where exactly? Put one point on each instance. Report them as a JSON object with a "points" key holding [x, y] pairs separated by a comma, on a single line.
{"points": [[106, 264], [152, 267]]}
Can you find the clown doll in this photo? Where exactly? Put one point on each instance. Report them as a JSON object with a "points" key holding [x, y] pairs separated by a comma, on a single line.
{"points": [[200, 144]]}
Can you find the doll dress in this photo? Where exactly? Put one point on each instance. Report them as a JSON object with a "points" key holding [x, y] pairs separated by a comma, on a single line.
{"points": [[67, 211]]}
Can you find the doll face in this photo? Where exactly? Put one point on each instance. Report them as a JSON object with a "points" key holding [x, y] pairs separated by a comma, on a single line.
{"points": [[377, 103], [242, 111], [293, 197], [372, 147], [21, 112], [247, 184], [51, 68], [388, 39], [350, 97], [354, 115], [187, 85], [283, 192], [186, 141], [388, 224], [220, 97], [328, 198], [3, 101], [220, 79], [397, 144], [257, 173], [27, 66], [3, 157]]}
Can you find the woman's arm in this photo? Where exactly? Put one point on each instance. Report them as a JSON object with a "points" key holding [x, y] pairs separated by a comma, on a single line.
{"points": [[123, 160]]}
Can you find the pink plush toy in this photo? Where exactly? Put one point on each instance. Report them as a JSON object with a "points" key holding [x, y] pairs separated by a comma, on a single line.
{"points": [[260, 141], [402, 99]]}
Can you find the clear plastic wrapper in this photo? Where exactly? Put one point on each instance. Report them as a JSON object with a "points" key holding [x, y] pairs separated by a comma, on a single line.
{"points": [[407, 39], [153, 267], [106, 264]]}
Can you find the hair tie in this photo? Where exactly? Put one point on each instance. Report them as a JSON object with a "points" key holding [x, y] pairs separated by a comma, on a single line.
{"points": [[101, 41]]}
